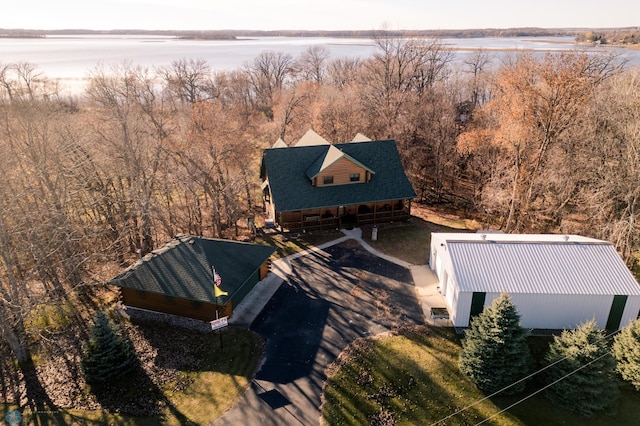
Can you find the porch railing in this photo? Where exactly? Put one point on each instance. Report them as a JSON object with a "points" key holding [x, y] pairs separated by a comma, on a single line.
{"points": [[360, 219]]}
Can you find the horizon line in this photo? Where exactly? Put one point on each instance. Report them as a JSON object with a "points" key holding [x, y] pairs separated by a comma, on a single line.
{"points": [[321, 30]]}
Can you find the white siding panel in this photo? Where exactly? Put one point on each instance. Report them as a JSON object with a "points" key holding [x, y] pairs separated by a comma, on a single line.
{"points": [[450, 291], [460, 308], [631, 311], [561, 311], [439, 267]]}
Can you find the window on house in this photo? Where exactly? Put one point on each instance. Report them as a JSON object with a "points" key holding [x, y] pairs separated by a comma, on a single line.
{"points": [[354, 177], [328, 180]]}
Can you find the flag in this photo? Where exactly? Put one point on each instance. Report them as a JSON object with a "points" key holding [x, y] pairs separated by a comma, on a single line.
{"points": [[217, 279], [218, 291]]}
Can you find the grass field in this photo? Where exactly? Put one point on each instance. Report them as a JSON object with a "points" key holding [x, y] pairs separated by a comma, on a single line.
{"points": [[407, 379], [413, 378]]}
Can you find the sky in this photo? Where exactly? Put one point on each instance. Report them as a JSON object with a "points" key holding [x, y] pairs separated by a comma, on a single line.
{"points": [[316, 15]]}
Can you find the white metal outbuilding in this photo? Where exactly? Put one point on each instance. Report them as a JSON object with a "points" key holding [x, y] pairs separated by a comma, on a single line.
{"points": [[555, 281]]}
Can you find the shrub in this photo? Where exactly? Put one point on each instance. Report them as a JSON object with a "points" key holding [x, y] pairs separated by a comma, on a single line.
{"points": [[626, 350], [584, 372], [108, 354], [494, 352]]}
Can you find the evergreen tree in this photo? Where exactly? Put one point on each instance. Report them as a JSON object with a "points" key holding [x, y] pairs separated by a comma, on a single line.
{"points": [[585, 374], [494, 352], [626, 350], [108, 354]]}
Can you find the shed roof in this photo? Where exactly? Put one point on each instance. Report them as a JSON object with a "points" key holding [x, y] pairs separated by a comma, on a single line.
{"points": [[183, 268], [538, 264], [288, 169]]}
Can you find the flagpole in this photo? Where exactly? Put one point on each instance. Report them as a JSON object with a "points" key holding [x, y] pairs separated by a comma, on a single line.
{"points": [[213, 269]]}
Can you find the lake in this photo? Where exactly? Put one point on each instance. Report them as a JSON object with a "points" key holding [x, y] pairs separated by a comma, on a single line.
{"points": [[68, 59]]}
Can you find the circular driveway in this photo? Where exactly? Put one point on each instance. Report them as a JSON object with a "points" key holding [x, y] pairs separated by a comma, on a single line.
{"points": [[332, 297]]}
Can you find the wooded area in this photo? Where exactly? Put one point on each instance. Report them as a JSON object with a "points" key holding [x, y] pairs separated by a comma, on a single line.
{"points": [[527, 143]]}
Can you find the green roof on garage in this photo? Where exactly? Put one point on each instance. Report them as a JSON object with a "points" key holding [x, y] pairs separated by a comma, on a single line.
{"points": [[183, 268]]}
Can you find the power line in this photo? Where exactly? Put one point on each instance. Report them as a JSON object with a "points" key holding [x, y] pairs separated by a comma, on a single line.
{"points": [[520, 381], [543, 388]]}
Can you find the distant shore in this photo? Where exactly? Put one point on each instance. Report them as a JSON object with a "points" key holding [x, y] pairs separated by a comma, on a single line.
{"points": [[230, 34], [577, 33]]}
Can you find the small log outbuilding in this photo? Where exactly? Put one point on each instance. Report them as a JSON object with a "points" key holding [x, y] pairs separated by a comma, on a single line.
{"points": [[178, 278]]}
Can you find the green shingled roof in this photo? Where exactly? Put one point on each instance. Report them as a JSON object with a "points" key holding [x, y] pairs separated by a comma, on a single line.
{"points": [[292, 190], [183, 268]]}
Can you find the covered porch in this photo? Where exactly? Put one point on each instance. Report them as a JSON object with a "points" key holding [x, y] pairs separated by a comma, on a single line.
{"points": [[354, 215]]}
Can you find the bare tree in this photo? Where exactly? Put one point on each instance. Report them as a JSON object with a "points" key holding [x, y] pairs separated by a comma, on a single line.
{"points": [[612, 195], [268, 73], [343, 72], [188, 79], [399, 72], [536, 105], [312, 64], [476, 65], [133, 125]]}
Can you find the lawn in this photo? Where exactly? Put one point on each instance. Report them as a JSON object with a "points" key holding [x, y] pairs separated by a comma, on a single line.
{"points": [[408, 242], [411, 240], [288, 244], [413, 378], [198, 394]]}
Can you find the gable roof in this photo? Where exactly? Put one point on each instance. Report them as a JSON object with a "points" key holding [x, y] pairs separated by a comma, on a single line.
{"points": [[326, 160], [538, 264], [311, 138], [183, 268], [360, 138], [279, 144], [288, 173]]}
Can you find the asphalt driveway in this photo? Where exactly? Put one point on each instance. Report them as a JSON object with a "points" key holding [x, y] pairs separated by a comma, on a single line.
{"points": [[332, 297]]}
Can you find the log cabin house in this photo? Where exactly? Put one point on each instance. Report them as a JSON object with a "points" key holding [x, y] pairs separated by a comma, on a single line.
{"points": [[316, 185], [178, 278]]}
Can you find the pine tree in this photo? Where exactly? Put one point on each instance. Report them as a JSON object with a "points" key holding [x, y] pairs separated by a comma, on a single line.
{"points": [[585, 371], [494, 352], [626, 350], [108, 354]]}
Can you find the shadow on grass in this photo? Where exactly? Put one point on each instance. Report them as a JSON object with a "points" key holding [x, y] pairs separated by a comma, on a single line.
{"points": [[409, 378], [137, 395], [42, 410]]}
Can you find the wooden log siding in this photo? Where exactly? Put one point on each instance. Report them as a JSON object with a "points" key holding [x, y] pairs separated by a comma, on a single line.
{"points": [[341, 171], [174, 305]]}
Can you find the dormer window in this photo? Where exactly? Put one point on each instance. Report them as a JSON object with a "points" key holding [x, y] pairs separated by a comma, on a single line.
{"points": [[328, 180], [354, 177]]}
